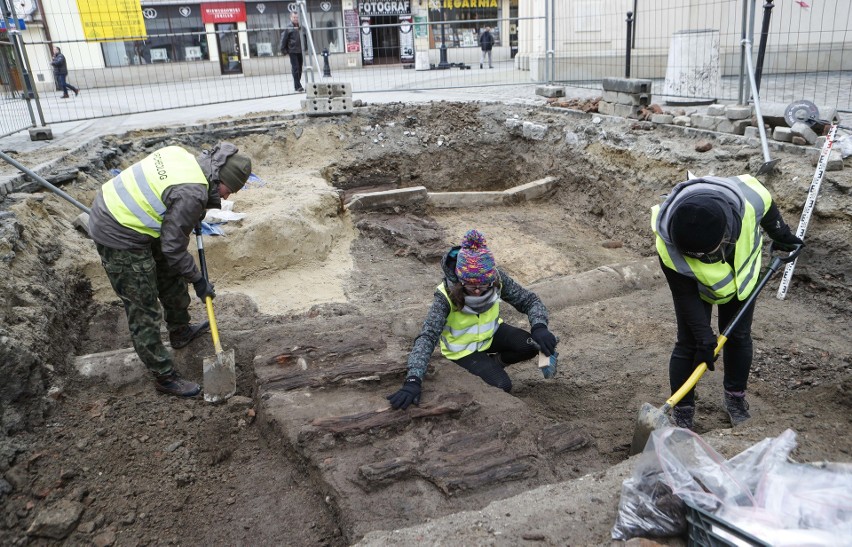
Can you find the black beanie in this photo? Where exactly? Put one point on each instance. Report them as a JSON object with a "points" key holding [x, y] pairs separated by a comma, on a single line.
{"points": [[235, 172], [697, 224]]}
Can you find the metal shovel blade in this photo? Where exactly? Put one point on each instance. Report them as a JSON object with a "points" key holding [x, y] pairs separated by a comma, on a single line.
{"points": [[220, 377], [649, 419]]}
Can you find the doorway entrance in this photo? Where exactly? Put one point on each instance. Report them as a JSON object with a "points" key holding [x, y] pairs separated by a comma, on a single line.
{"points": [[385, 30], [228, 40]]}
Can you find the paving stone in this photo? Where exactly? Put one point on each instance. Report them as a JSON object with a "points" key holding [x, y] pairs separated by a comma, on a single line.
{"points": [[684, 121], [626, 85], [783, 134], [662, 118], [550, 91], [800, 141], [716, 110], [740, 126], [835, 161], [752, 132], [803, 130], [738, 112], [702, 121]]}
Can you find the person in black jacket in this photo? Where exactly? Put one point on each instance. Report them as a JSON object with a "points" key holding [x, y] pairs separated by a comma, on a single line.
{"points": [[60, 71], [486, 43], [709, 240], [291, 44]]}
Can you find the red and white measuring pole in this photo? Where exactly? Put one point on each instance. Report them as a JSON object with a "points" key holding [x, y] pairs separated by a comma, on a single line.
{"points": [[809, 208]]}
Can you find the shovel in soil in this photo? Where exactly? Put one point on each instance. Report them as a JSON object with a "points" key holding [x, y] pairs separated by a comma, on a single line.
{"points": [[220, 376], [650, 417]]}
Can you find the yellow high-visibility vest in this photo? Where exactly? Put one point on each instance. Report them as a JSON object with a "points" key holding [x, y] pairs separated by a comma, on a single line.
{"points": [[719, 282], [134, 197], [466, 333]]}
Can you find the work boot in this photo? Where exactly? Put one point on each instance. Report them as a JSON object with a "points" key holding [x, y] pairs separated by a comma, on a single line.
{"points": [[171, 383], [683, 416], [736, 407], [64, 96], [181, 337]]}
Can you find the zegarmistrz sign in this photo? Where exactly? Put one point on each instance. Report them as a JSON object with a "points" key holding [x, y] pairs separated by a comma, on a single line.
{"points": [[385, 8]]}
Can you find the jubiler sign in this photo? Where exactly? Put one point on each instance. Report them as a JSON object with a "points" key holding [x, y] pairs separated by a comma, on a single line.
{"points": [[385, 8]]}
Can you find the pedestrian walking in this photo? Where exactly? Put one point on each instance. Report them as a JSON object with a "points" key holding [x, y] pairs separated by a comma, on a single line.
{"points": [[291, 44], [486, 43], [141, 223], [708, 238], [465, 318], [60, 72]]}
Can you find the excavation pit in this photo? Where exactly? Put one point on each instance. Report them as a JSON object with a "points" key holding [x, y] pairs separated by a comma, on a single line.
{"points": [[321, 304]]}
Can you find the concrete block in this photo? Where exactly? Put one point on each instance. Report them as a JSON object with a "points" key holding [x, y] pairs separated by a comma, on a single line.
{"points": [[633, 99], [534, 131], [738, 112], [532, 190], [740, 126], [725, 125], [752, 132], [466, 199], [782, 134], [622, 110], [683, 121], [41, 134], [550, 91], [626, 85], [327, 106], [662, 118], [328, 90], [700, 121], [801, 129], [401, 197], [606, 108], [799, 141], [835, 161], [716, 110]]}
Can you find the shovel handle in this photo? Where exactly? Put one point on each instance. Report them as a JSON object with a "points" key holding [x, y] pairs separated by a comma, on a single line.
{"points": [[214, 330]]}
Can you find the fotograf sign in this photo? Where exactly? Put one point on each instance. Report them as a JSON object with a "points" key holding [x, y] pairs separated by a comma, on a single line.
{"points": [[223, 12], [385, 8]]}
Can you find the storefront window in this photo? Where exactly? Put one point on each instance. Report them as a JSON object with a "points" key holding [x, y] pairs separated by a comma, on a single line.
{"points": [[266, 20], [175, 33], [463, 24]]}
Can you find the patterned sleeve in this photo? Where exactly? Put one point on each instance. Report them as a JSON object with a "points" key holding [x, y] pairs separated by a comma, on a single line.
{"points": [[426, 341], [523, 300]]}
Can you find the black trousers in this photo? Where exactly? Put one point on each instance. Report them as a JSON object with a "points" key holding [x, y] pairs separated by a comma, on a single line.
{"points": [[737, 354], [296, 69], [510, 345]]}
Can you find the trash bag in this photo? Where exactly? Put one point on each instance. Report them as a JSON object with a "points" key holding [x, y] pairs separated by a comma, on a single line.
{"points": [[758, 491]]}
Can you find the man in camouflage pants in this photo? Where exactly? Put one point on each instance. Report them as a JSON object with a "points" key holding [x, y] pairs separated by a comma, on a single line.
{"points": [[141, 222]]}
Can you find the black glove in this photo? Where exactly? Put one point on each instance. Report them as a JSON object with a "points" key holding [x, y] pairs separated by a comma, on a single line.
{"points": [[203, 289], [787, 243], [544, 338], [704, 354], [409, 394]]}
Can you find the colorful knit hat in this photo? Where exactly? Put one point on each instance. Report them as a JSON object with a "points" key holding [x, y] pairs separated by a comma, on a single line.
{"points": [[475, 263]]}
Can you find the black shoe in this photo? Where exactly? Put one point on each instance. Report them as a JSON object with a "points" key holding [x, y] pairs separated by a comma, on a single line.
{"points": [[76, 92], [64, 96], [737, 408], [300, 90], [480, 65], [683, 416], [171, 383], [181, 337]]}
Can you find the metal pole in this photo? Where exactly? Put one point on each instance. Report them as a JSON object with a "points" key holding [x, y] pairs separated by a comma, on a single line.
{"points": [[741, 95], [629, 41], [635, 14], [5, 157], [547, 51], [553, 41], [307, 26], [443, 62], [18, 46], [764, 36]]}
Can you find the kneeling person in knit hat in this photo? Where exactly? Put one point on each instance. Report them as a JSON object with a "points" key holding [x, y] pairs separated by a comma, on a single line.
{"points": [[141, 222], [465, 318], [709, 240]]}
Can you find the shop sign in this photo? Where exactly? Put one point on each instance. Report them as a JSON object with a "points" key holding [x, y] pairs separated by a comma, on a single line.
{"points": [[385, 8], [353, 33], [223, 12], [112, 20], [462, 4], [406, 39]]}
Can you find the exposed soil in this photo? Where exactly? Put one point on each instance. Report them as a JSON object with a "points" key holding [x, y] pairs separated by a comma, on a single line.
{"points": [[321, 306]]}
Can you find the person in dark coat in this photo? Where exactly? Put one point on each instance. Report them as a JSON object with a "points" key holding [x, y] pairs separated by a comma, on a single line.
{"points": [[709, 236], [141, 223], [60, 72], [291, 44], [486, 43]]}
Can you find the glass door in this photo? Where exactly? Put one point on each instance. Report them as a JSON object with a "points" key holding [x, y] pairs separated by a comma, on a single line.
{"points": [[229, 48]]}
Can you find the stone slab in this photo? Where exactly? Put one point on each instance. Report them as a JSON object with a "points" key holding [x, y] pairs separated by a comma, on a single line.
{"points": [[550, 91], [466, 199], [328, 90], [532, 190], [402, 197], [327, 106], [626, 85], [121, 367]]}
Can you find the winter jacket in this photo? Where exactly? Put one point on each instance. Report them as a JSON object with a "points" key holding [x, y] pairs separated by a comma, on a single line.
{"points": [[486, 41], [184, 205], [60, 66], [291, 39], [523, 300]]}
